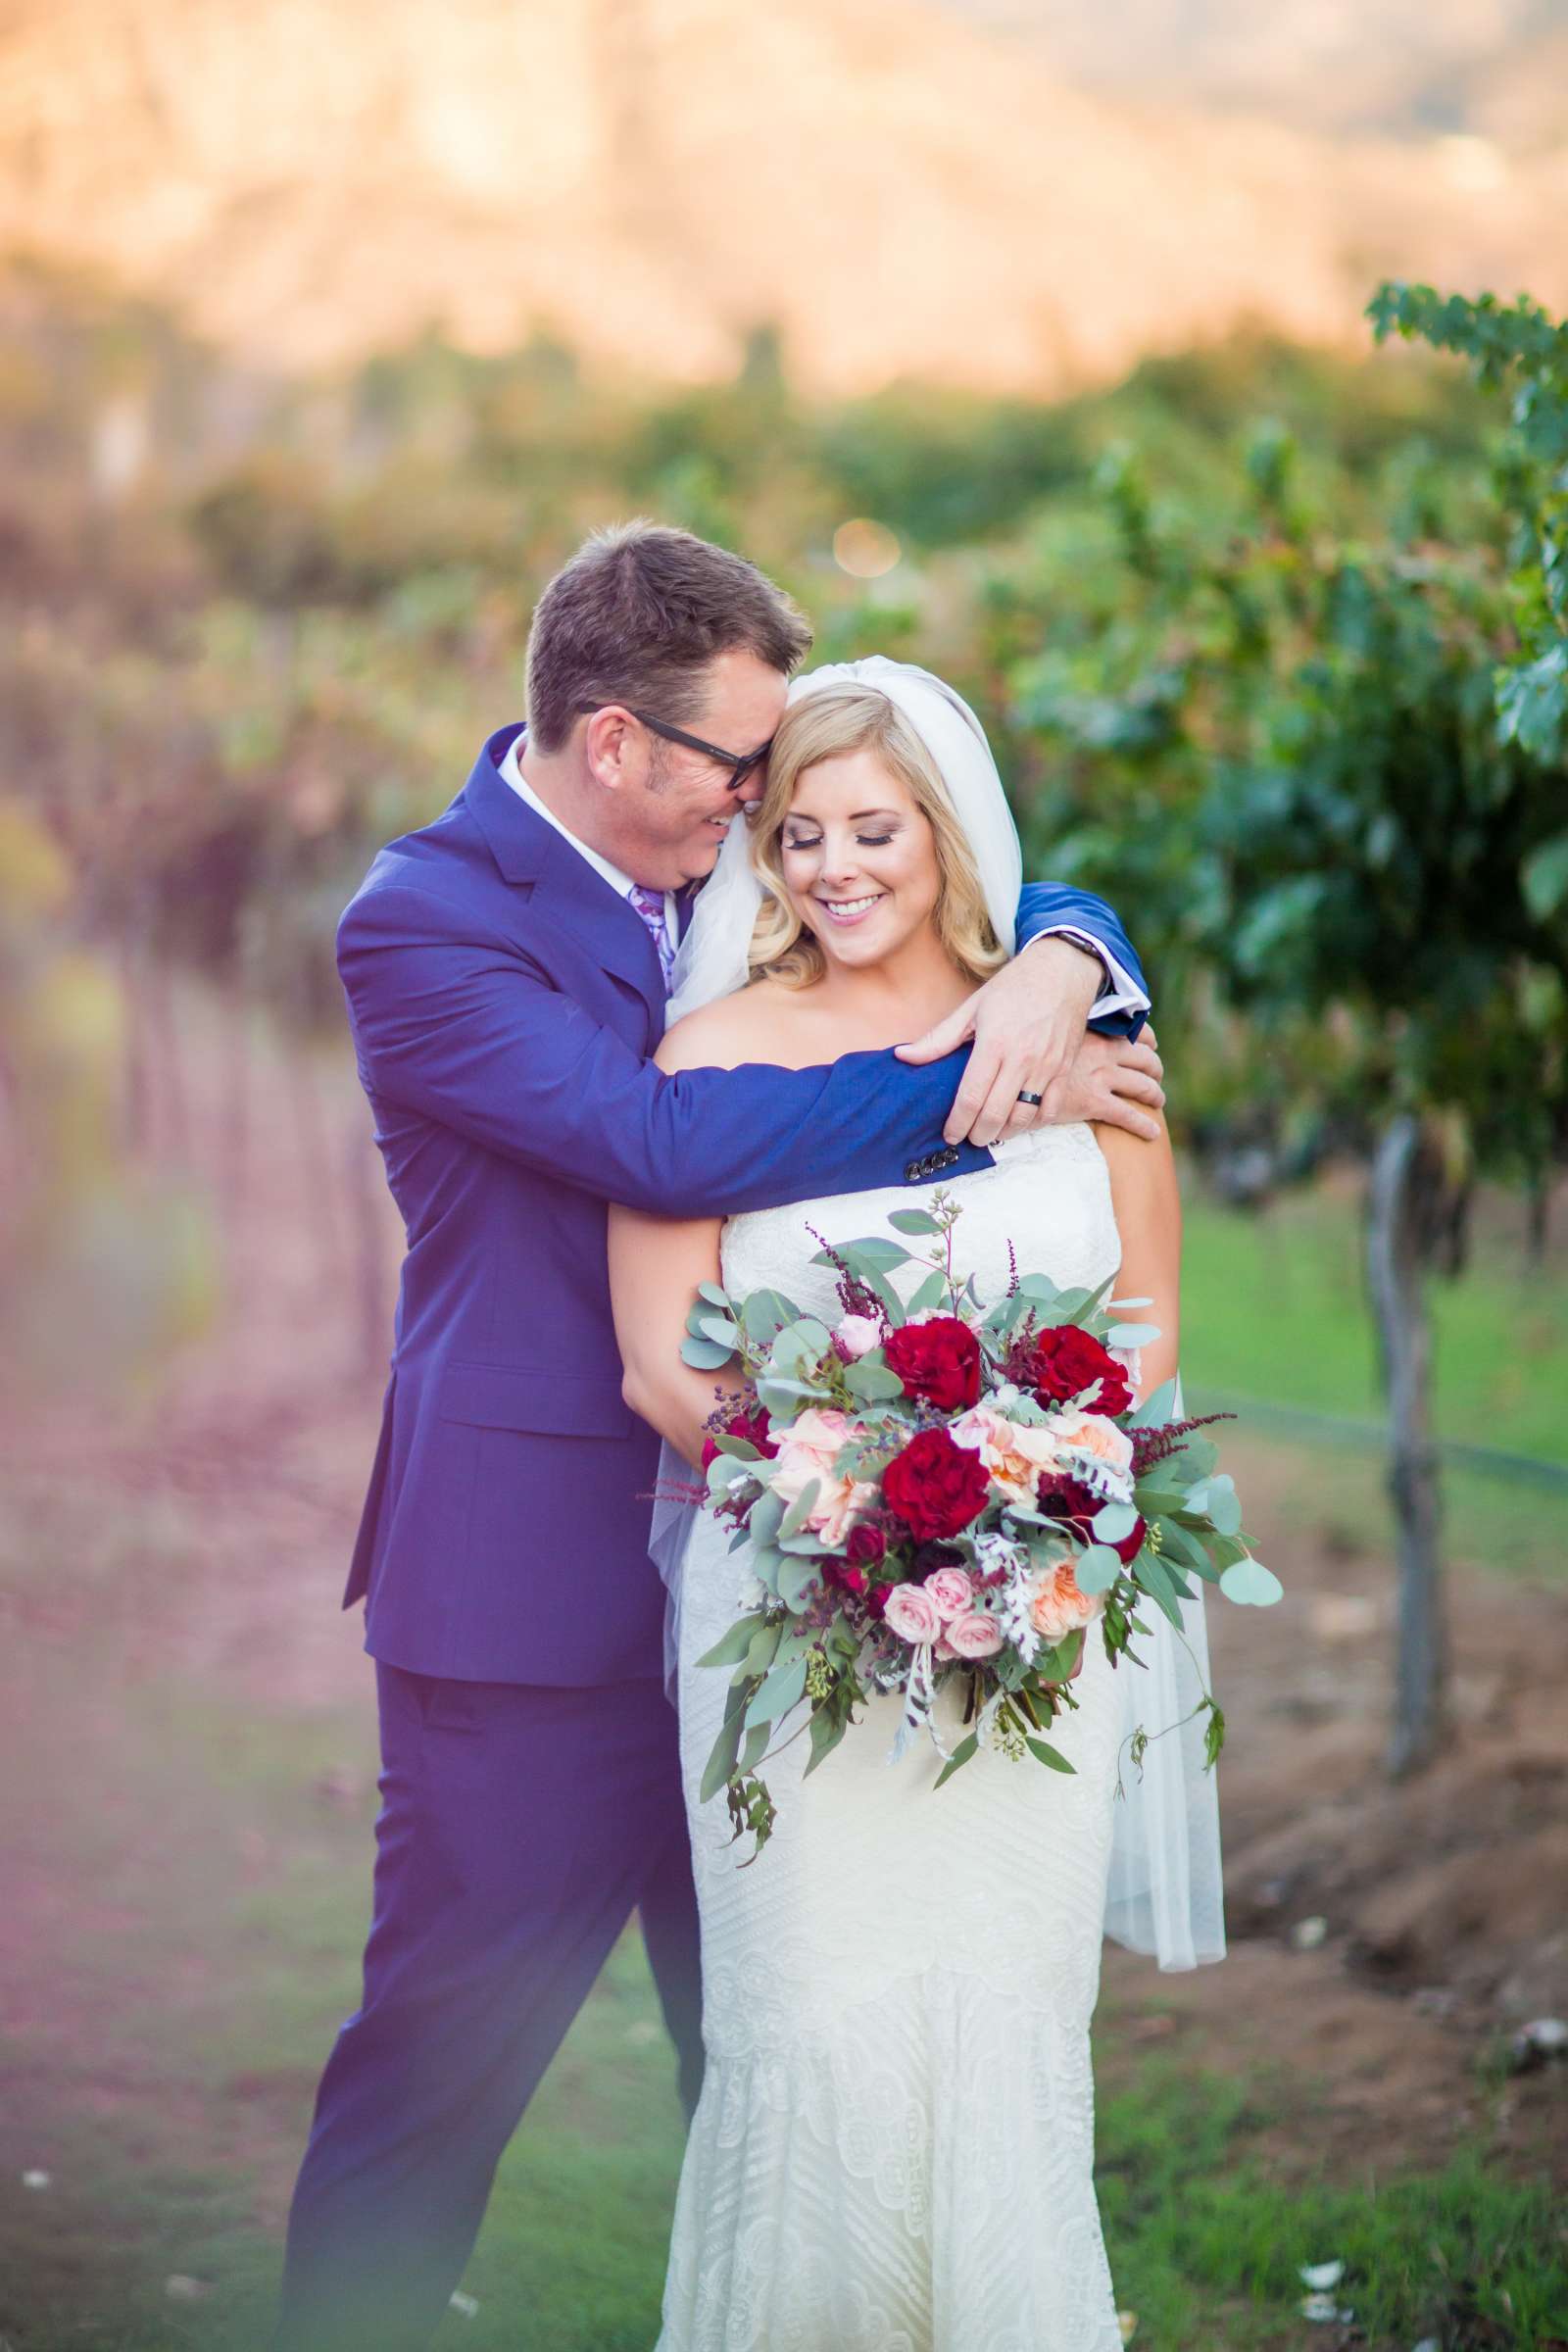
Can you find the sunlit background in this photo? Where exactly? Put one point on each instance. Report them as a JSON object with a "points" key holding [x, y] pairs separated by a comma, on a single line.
{"points": [[1025, 338]]}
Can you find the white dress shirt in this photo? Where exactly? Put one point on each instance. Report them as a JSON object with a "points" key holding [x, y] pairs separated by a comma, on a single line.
{"points": [[1119, 992]]}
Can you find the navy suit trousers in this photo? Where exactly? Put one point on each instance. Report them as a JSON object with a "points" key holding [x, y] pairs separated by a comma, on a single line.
{"points": [[520, 1826]]}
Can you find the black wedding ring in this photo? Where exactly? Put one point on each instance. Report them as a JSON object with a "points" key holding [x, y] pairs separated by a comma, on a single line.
{"points": [[1033, 1100]]}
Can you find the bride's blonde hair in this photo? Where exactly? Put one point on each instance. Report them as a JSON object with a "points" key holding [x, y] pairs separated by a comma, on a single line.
{"points": [[824, 725]]}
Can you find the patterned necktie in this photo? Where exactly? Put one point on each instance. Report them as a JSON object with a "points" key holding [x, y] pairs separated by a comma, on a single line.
{"points": [[649, 905]]}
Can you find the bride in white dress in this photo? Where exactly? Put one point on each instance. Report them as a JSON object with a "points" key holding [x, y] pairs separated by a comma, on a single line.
{"points": [[893, 2150]]}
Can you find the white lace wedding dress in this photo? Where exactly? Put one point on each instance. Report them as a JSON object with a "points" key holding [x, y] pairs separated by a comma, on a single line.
{"points": [[893, 2144]]}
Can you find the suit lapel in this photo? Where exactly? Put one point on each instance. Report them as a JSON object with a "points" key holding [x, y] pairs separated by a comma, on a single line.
{"points": [[532, 854]]}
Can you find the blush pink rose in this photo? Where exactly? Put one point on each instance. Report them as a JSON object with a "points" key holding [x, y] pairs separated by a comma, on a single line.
{"points": [[974, 1635], [951, 1590], [1056, 1607], [857, 1335], [912, 1614]]}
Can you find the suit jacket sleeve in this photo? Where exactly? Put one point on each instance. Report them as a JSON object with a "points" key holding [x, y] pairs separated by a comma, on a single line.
{"points": [[1048, 905], [460, 1025]]}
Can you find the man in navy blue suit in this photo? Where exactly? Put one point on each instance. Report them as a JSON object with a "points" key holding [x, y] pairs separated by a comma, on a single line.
{"points": [[506, 971]]}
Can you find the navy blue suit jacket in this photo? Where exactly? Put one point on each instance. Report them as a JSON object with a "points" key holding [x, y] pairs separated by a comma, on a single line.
{"points": [[505, 1001]]}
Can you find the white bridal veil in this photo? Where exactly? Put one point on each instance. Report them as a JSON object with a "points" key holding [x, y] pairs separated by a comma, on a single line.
{"points": [[1163, 1898]]}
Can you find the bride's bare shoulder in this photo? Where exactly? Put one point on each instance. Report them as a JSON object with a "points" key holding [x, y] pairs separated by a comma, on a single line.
{"points": [[749, 1026]]}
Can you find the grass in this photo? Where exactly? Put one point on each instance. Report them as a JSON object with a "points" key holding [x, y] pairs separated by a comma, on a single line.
{"points": [[1205, 2241], [1275, 1308], [1196, 2218], [1275, 1322]]}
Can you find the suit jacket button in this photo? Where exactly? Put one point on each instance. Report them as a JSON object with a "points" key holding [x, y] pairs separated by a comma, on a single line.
{"points": [[914, 1172], [946, 1160]]}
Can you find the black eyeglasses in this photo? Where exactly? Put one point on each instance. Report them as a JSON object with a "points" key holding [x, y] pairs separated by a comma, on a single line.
{"points": [[741, 764]]}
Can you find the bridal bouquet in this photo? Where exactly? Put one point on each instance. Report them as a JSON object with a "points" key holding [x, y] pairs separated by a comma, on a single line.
{"points": [[945, 1492]]}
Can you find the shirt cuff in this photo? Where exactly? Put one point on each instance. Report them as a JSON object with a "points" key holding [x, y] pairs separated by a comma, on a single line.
{"points": [[1119, 992]]}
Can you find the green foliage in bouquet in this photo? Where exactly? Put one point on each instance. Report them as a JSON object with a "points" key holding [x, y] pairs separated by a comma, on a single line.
{"points": [[854, 1467]]}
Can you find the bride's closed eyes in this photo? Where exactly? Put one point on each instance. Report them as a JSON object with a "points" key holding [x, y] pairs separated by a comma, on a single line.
{"points": [[866, 841]]}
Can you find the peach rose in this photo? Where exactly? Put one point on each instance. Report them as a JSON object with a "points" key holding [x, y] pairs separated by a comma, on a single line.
{"points": [[974, 1635], [1056, 1607], [1014, 1452], [912, 1614], [951, 1592], [809, 1449], [1092, 1434]]}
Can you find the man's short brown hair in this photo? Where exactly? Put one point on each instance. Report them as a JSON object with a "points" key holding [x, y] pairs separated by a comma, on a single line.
{"points": [[637, 616]]}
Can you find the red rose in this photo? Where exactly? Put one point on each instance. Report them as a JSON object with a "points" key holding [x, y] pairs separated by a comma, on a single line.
{"points": [[939, 1361], [876, 1600], [935, 1486], [1066, 1361], [847, 1579], [865, 1543], [748, 1423]]}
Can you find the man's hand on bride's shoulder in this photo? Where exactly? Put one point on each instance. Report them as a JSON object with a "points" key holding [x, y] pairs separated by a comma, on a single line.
{"points": [[1027, 1023]]}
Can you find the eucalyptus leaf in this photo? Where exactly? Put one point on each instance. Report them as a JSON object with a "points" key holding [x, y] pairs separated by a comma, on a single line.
{"points": [[800, 1510], [721, 1763], [1181, 1543], [720, 1330], [754, 1748], [731, 1647], [1087, 1304], [780, 1397], [763, 1649], [796, 1579], [873, 1253], [1132, 1335], [704, 1356], [1097, 1569], [1193, 1458], [1048, 1755], [871, 1382], [826, 1734], [961, 1756], [1150, 1574], [716, 1295], [914, 1220], [782, 1686], [1157, 1409], [767, 1565], [892, 1304], [1114, 1522], [931, 1293], [1252, 1584], [767, 1517], [764, 1311], [808, 1337]]}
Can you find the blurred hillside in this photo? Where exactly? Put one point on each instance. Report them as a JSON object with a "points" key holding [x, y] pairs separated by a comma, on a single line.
{"points": [[1489, 70], [901, 192]]}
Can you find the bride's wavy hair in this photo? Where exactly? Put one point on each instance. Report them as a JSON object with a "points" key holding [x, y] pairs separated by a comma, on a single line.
{"points": [[821, 726]]}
